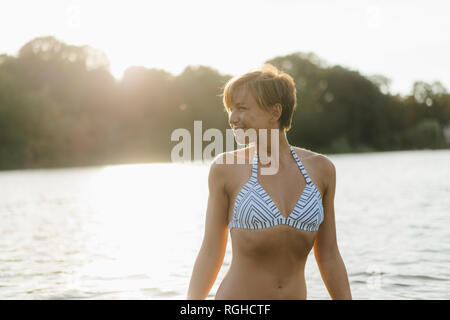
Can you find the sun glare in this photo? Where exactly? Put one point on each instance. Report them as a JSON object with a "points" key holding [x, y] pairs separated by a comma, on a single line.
{"points": [[133, 220]]}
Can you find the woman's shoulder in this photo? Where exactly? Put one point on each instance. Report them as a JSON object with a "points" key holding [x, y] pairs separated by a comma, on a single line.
{"points": [[318, 166], [239, 156], [317, 158], [227, 162]]}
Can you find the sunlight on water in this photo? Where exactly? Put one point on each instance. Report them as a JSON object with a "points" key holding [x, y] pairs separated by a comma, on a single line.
{"points": [[142, 211], [133, 231]]}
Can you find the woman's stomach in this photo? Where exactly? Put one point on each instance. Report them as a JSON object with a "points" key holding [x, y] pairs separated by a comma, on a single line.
{"points": [[267, 264], [259, 283]]}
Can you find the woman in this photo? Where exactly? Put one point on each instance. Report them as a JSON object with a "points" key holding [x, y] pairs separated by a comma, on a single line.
{"points": [[274, 219]]}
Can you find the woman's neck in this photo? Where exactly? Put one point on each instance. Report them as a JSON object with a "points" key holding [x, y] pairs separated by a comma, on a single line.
{"points": [[275, 148]]}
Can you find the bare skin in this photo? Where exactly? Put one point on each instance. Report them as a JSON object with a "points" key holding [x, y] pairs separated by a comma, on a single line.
{"points": [[267, 263]]}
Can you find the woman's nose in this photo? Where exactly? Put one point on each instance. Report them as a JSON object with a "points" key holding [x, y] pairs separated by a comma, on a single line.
{"points": [[233, 118]]}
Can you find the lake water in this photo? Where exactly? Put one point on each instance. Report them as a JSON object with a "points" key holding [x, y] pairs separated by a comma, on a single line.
{"points": [[133, 231]]}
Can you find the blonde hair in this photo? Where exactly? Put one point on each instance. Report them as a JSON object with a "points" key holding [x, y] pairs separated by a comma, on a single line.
{"points": [[268, 86]]}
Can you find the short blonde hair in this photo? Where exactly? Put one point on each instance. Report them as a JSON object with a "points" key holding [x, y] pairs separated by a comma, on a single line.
{"points": [[268, 86]]}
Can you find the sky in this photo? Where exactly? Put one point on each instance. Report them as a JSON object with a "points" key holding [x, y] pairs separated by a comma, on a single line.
{"points": [[404, 40]]}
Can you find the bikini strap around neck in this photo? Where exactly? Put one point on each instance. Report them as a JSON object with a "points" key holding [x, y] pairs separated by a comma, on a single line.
{"points": [[294, 154], [300, 165], [255, 167]]}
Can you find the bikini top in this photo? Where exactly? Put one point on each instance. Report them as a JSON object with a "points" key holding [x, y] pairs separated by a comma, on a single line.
{"points": [[255, 209]]}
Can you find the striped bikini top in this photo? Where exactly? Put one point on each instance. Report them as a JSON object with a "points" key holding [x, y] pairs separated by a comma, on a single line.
{"points": [[255, 209]]}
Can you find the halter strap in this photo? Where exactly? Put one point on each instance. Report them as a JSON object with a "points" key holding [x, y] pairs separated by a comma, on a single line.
{"points": [[294, 154], [254, 176], [300, 165]]}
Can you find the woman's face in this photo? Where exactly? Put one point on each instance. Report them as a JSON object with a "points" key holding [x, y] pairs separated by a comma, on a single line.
{"points": [[246, 114]]}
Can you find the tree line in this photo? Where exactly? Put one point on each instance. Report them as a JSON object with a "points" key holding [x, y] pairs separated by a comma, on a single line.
{"points": [[60, 106]]}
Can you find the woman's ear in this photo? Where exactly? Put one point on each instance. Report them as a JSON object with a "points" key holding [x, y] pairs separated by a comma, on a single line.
{"points": [[276, 111]]}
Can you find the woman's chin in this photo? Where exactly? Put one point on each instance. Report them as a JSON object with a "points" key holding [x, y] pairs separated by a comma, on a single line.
{"points": [[245, 136], [243, 141]]}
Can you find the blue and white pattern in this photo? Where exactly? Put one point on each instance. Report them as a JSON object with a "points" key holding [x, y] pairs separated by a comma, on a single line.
{"points": [[255, 209]]}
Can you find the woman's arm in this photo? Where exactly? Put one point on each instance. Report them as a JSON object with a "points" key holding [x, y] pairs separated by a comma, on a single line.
{"points": [[326, 252], [212, 251]]}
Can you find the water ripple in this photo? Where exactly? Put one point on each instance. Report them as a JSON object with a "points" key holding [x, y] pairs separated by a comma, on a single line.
{"points": [[77, 234]]}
